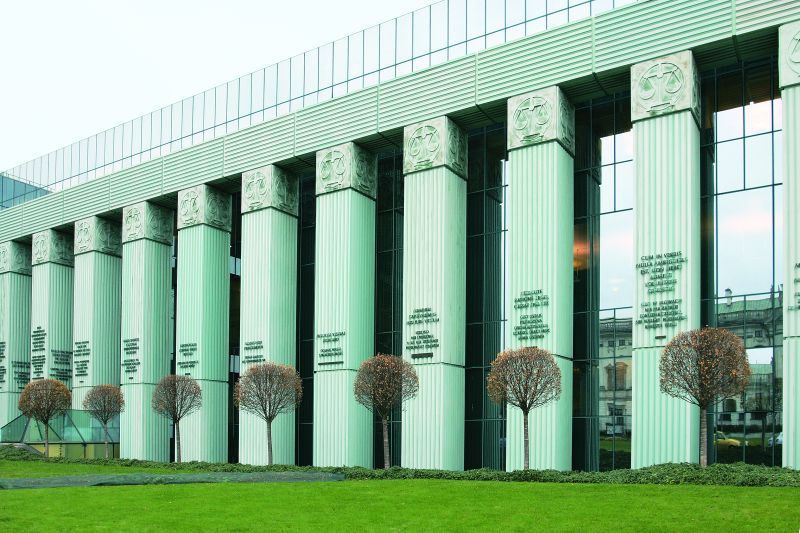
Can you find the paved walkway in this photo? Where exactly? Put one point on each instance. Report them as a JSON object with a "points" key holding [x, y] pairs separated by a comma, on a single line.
{"points": [[166, 479]]}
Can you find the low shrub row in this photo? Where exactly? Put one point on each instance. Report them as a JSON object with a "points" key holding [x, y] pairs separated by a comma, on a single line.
{"points": [[737, 474]]}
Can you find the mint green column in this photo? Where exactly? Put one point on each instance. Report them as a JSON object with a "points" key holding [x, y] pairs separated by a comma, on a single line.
{"points": [[15, 326], [268, 299], [202, 317], [665, 110], [434, 292], [51, 307], [344, 303], [541, 144], [146, 332], [96, 309], [790, 94]]}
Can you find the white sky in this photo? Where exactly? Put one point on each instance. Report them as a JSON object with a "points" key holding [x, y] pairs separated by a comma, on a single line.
{"points": [[71, 69]]}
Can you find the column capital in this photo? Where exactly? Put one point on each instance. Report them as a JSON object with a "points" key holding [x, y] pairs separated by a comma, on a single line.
{"points": [[541, 116], [346, 166], [665, 85], [204, 204], [95, 234], [437, 142], [50, 246], [147, 221], [15, 257], [269, 186], [789, 52]]}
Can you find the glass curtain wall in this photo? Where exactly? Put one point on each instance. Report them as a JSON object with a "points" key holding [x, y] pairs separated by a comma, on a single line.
{"points": [[485, 425], [743, 251], [389, 284], [603, 276], [304, 417], [443, 31]]}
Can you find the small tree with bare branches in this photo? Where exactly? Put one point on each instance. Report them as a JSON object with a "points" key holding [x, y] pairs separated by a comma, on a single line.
{"points": [[104, 402], [702, 365], [43, 400], [382, 383], [267, 390], [174, 398], [526, 378]]}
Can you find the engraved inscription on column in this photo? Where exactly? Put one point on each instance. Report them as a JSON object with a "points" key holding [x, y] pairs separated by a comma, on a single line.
{"points": [[187, 357], [532, 325], [330, 351], [794, 306], [38, 352], [253, 352], [659, 276], [130, 357], [3, 369], [80, 357], [422, 341]]}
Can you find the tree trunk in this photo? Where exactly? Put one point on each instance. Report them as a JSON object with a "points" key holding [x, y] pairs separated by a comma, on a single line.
{"points": [[269, 442], [703, 437], [105, 438], [386, 460], [527, 446], [178, 440], [46, 439]]}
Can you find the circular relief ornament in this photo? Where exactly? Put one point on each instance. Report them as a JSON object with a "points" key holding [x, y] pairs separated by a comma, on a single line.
{"points": [[133, 223], [5, 258], [83, 236], [159, 224], [532, 118], [423, 146], [365, 172], [660, 87], [40, 248], [60, 250], [284, 193], [793, 53], [457, 150], [255, 190], [333, 169], [190, 208], [216, 208]]}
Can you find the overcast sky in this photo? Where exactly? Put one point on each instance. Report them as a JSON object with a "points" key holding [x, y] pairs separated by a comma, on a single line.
{"points": [[71, 69]]}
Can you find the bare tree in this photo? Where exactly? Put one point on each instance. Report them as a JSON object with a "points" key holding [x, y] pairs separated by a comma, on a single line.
{"points": [[174, 398], [104, 402], [43, 400], [382, 383], [526, 378], [702, 365], [267, 390]]}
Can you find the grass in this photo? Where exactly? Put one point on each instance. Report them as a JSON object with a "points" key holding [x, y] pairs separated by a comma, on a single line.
{"points": [[401, 505], [386, 505]]}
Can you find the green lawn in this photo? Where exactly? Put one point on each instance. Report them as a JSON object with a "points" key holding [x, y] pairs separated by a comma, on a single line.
{"points": [[390, 505]]}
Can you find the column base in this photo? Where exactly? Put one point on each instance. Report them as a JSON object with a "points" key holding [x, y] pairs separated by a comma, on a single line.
{"points": [[143, 434], [342, 427], [791, 403], [433, 422], [253, 439], [204, 433]]}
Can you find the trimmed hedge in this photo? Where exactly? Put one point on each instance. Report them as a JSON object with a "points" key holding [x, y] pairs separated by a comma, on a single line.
{"points": [[737, 474]]}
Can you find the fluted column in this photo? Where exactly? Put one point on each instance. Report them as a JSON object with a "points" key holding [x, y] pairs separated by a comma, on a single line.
{"points": [[51, 307], [147, 329], [790, 94], [96, 309], [202, 317], [15, 326], [541, 144], [344, 303], [434, 292], [268, 299], [665, 110]]}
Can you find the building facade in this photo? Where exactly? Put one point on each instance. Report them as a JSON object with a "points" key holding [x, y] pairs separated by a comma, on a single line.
{"points": [[591, 177]]}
